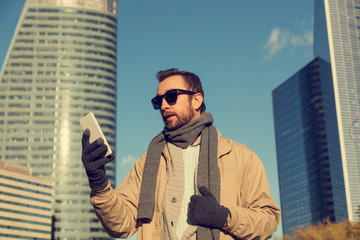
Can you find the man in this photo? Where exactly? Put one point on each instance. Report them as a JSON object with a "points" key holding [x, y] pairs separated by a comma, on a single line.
{"points": [[190, 184]]}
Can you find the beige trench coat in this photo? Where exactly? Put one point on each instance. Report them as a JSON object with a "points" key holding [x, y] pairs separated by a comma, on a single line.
{"points": [[244, 190]]}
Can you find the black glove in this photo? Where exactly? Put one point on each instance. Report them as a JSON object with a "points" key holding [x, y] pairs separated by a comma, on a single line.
{"points": [[205, 211], [94, 161]]}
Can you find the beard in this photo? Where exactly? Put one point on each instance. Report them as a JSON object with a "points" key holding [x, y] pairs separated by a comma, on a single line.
{"points": [[179, 119]]}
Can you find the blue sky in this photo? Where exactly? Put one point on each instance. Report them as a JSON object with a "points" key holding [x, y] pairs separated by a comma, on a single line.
{"points": [[241, 50]]}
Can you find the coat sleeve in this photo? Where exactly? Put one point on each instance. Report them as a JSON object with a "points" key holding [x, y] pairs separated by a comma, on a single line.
{"points": [[256, 216], [117, 209]]}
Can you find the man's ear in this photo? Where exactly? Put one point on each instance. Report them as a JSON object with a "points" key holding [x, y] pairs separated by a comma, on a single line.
{"points": [[197, 100]]}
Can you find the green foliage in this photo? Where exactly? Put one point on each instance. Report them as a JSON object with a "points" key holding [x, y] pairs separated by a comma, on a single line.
{"points": [[326, 230]]}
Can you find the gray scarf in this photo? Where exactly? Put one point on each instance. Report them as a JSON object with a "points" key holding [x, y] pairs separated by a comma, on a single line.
{"points": [[208, 170]]}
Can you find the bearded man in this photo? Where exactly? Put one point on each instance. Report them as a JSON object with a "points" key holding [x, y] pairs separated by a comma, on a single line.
{"points": [[190, 184]]}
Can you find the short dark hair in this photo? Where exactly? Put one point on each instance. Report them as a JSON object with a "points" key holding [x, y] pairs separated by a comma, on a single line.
{"points": [[191, 80]]}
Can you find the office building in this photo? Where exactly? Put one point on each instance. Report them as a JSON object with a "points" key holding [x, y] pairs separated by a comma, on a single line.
{"points": [[25, 204], [343, 32], [334, 141], [61, 64], [308, 150]]}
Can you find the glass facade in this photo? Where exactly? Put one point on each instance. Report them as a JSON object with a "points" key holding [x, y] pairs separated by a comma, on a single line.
{"points": [[343, 28], [61, 64], [321, 45], [308, 150]]}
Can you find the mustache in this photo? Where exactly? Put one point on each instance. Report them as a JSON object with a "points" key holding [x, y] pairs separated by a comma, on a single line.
{"points": [[167, 114]]}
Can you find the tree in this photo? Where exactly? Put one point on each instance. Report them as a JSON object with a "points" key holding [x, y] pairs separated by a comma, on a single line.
{"points": [[326, 230]]}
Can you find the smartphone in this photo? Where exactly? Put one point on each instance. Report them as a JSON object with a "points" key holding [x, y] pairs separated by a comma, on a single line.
{"points": [[89, 121]]}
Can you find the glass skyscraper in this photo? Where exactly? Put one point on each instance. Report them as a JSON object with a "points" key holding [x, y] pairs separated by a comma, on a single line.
{"points": [[317, 123], [308, 150], [61, 64], [343, 31]]}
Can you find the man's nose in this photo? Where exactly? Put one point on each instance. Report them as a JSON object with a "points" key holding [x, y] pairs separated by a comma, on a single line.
{"points": [[164, 104]]}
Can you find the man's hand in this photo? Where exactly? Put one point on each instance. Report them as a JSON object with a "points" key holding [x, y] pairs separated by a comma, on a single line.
{"points": [[94, 161], [205, 211]]}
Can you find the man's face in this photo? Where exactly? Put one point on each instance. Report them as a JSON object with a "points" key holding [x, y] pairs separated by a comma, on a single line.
{"points": [[181, 112]]}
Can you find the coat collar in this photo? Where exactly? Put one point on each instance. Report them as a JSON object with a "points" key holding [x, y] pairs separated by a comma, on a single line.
{"points": [[224, 146]]}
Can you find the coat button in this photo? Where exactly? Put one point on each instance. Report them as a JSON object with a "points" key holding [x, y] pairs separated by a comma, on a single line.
{"points": [[173, 200]]}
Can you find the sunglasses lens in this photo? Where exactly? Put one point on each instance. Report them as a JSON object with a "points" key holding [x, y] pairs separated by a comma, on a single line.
{"points": [[171, 97], [156, 102]]}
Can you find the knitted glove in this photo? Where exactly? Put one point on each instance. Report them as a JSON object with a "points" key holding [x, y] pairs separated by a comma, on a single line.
{"points": [[94, 161], [205, 211]]}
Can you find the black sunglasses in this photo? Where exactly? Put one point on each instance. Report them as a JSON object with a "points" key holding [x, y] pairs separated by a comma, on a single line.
{"points": [[170, 97]]}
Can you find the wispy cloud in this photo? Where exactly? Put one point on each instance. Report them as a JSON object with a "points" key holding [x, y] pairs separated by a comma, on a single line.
{"points": [[127, 160], [280, 39]]}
